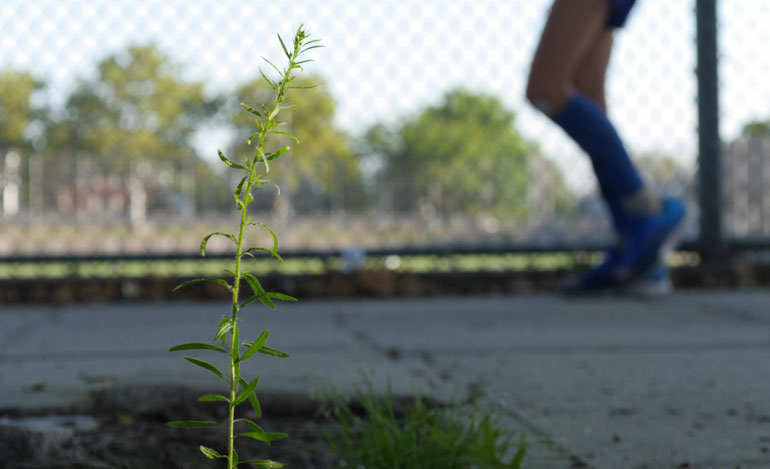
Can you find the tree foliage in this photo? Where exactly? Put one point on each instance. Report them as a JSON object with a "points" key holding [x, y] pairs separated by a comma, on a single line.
{"points": [[17, 110], [756, 128], [323, 168], [463, 155], [136, 106]]}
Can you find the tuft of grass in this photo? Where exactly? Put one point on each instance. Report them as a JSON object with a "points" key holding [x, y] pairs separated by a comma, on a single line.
{"points": [[373, 434]]}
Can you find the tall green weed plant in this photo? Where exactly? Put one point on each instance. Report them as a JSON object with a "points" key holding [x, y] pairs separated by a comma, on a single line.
{"points": [[227, 339]]}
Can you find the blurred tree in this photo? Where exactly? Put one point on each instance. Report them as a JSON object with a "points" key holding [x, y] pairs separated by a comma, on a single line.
{"points": [[462, 156], [17, 111], [321, 172], [666, 174], [137, 117], [756, 128], [135, 107]]}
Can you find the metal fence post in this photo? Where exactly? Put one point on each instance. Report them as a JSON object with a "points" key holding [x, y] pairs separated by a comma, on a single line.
{"points": [[710, 242]]}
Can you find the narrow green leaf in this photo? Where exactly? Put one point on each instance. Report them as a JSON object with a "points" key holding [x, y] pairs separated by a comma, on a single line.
{"points": [[272, 253], [252, 426], [239, 189], [252, 136], [246, 392], [206, 365], [278, 189], [518, 459], [265, 437], [255, 346], [281, 296], [285, 50], [213, 398], [268, 80], [274, 113], [286, 134], [210, 235], [251, 110], [310, 48], [222, 322], [260, 154], [210, 453], [273, 352], [273, 65], [263, 464], [196, 346], [302, 87], [252, 399], [227, 161], [278, 153], [272, 233], [191, 424], [259, 292], [207, 279], [250, 301], [225, 326]]}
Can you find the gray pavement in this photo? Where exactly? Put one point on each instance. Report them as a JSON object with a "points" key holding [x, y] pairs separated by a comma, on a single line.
{"points": [[610, 383]]}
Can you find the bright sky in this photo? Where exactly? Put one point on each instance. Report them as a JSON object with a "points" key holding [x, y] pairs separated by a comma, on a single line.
{"points": [[384, 59]]}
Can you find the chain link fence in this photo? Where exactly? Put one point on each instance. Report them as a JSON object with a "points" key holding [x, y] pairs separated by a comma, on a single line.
{"points": [[112, 113]]}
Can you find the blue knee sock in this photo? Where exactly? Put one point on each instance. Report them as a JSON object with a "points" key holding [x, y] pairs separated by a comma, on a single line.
{"points": [[618, 179]]}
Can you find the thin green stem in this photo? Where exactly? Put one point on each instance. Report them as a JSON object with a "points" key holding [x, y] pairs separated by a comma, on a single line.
{"points": [[234, 335], [266, 126]]}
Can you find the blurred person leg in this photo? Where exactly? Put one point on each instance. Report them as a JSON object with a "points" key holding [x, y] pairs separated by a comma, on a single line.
{"points": [[566, 82]]}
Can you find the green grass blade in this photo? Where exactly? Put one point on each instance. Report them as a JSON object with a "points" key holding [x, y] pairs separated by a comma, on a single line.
{"points": [[518, 459]]}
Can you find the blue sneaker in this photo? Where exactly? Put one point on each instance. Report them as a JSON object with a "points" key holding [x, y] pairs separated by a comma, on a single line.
{"points": [[602, 280], [656, 283], [650, 239], [598, 280]]}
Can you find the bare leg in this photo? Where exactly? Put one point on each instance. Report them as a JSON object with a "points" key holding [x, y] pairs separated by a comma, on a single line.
{"points": [[572, 30], [589, 78]]}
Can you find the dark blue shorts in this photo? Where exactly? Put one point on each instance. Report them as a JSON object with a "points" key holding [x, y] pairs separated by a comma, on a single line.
{"points": [[619, 10]]}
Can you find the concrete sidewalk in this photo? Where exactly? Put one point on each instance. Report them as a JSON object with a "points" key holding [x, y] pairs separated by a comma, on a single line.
{"points": [[614, 383]]}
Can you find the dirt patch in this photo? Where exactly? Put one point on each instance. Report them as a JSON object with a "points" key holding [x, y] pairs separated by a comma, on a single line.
{"points": [[126, 430]]}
